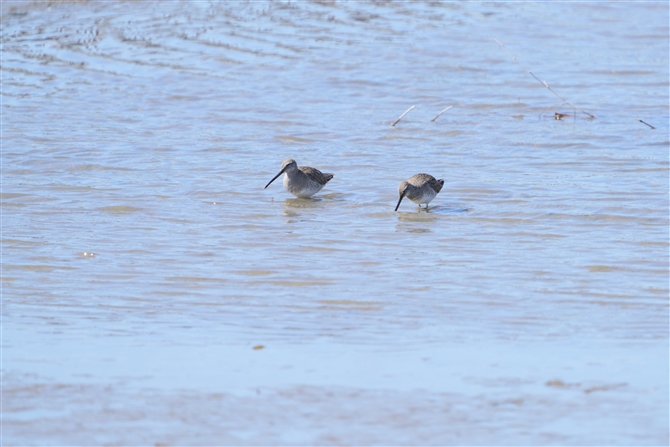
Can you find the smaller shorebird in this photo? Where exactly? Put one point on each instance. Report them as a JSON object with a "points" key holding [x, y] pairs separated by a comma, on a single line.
{"points": [[420, 188], [301, 181]]}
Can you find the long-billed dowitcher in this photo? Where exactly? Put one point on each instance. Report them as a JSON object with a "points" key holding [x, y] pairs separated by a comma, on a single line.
{"points": [[419, 188], [301, 181]]}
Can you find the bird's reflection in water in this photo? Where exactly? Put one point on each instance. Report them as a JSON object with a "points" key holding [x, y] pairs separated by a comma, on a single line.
{"points": [[312, 203], [296, 210], [423, 220]]}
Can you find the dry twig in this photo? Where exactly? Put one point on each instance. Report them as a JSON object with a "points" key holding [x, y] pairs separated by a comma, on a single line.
{"points": [[440, 113], [406, 112], [646, 123], [541, 81]]}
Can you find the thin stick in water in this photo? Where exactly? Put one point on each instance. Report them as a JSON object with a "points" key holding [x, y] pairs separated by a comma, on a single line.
{"points": [[436, 116], [541, 81], [646, 123], [406, 112]]}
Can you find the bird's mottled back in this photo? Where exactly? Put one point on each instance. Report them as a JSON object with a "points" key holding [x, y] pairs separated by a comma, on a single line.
{"points": [[421, 179], [316, 175]]}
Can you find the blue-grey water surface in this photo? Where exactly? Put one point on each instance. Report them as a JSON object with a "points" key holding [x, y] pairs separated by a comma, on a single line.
{"points": [[154, 294]]}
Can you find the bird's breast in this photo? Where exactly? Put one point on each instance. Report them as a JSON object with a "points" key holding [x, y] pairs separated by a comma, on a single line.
{"points": [[301, 185], [423, 195]]}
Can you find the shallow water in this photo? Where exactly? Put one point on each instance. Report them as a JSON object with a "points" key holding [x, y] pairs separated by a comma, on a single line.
{"points": [[154, 293]]}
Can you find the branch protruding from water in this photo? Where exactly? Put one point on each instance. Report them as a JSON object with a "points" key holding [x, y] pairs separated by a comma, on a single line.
{"points": [[541, 81], [436, 116], [406, 112], [646, 123]]}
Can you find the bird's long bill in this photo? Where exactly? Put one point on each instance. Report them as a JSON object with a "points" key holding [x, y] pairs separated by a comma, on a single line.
{"points": [[402, 196], [274, 178]]}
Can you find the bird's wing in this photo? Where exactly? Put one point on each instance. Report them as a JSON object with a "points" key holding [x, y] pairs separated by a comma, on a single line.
{"points": [[316, 175], [420, 179], [436, 185]]}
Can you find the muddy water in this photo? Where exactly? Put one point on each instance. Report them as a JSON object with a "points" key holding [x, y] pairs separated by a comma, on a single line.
{"points": [[154, 293]]}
